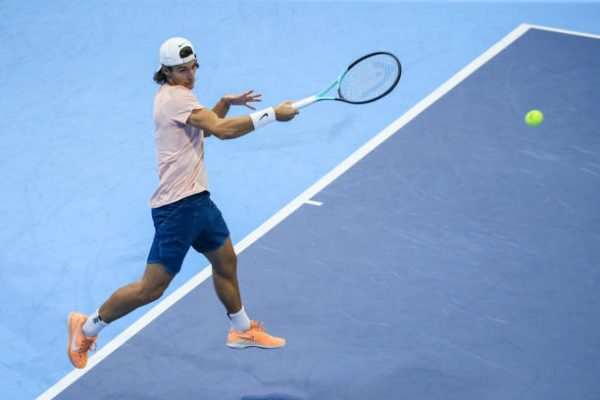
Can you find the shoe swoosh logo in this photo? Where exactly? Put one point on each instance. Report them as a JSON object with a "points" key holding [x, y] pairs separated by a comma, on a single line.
{"points": [[263, 116]]}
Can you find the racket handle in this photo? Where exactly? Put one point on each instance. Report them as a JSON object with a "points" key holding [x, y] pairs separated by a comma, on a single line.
{"points": [[305, 102]]}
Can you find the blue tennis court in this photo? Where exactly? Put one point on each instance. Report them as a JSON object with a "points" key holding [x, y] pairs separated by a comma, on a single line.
{"points": [[428, 245], [457, 259]]}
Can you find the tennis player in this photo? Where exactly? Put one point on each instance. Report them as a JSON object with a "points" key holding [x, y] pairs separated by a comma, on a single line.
{"points": [[184, 215]]}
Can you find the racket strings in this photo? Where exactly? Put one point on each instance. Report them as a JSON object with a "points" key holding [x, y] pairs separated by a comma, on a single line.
{"points": [[369, 78]]}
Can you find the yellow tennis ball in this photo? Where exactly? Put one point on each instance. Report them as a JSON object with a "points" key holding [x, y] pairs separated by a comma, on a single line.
{"points": [[534, 118]]}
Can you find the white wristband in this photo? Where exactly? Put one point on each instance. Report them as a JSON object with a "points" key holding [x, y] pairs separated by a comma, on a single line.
{"points": [[263, 117]]}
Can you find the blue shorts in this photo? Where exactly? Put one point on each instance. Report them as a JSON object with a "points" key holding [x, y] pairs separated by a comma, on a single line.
{"points": [[193, 221]]}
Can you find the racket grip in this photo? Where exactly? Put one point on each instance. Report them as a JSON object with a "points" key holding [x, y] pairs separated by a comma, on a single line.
{"points": [[304, 102]]}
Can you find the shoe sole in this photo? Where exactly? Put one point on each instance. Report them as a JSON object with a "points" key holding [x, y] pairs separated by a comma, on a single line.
{"points": [[71, 339], [245, 345]]}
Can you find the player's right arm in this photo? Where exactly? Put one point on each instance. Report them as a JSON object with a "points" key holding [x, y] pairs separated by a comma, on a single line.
{"points": [[234, 127]]}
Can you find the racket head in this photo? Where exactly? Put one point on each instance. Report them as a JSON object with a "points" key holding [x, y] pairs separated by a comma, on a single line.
{"points": [[369, 78]]}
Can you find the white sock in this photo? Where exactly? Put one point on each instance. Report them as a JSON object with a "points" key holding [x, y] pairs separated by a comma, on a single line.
{"points": [[239, 321], [93, 325]]}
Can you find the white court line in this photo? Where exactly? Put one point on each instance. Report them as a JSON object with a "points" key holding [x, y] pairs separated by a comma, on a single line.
{"points": [[187, 287], [566, 32], [314, 203], [303, 198]]}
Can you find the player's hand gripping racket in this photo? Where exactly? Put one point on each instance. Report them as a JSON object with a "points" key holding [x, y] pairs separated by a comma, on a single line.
{"points": [[367, 79]]}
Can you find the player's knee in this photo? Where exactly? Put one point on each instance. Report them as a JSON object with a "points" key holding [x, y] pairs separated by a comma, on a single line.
{"points": [[151, 293], [227, 268], [158, 291], [232, 261], [230, 264]]}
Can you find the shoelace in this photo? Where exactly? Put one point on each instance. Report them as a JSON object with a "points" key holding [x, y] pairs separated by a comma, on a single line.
{"points": [[255, 327], [87, 344], [259, 326]]}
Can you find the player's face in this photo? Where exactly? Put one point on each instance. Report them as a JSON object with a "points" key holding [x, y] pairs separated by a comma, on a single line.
{"points": [[184, 74]]}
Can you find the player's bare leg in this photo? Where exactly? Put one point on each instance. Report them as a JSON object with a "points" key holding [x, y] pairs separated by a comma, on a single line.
{"points": [[247, 333], [126, 299], [83, 329]]}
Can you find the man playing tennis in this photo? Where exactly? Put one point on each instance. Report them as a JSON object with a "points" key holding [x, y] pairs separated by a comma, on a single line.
{"points": [[184, 215]]}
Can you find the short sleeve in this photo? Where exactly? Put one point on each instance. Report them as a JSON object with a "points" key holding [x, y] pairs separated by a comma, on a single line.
{"points": [[181, 104]]}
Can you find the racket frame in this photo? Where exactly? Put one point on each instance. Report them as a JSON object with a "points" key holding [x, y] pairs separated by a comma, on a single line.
{"points": [[321, 95]]}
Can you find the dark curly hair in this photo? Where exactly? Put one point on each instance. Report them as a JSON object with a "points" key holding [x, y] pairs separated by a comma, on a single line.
{"points": [[160, 77]]}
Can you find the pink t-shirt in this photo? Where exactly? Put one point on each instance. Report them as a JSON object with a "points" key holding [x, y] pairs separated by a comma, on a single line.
{"points": [[179, 146]]}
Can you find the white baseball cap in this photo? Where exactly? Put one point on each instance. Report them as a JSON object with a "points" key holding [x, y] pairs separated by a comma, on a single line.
{"points": [[176, 51]]}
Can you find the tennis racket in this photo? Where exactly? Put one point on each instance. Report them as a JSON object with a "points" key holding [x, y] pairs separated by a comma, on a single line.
{"points": [[367, 79]]}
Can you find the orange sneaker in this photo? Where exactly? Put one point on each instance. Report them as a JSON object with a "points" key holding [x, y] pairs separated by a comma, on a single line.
{"points": [[79, 344], [256, 336]]}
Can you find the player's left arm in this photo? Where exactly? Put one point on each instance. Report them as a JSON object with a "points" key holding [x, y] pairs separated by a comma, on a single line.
{"points": [[222, 107]]}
